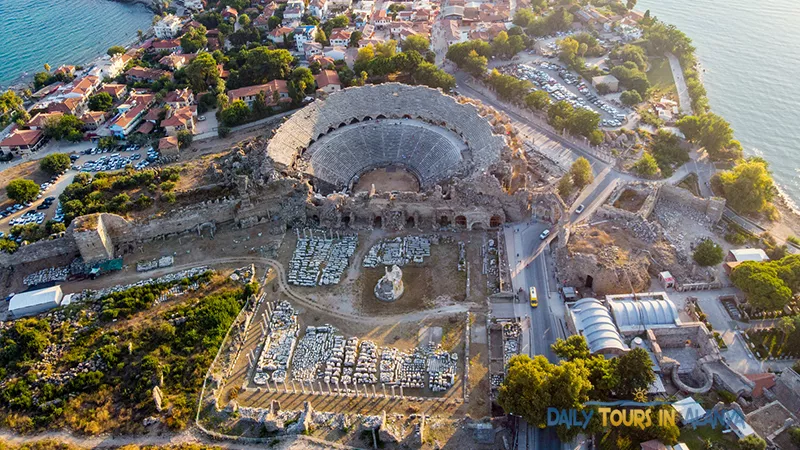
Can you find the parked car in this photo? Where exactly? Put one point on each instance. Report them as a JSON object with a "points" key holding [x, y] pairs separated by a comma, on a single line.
{"points": [[544, 234], [579, 209]]}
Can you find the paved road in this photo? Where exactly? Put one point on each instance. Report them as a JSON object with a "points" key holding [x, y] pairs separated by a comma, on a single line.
{"points": [[528, 263], [680, 83]]}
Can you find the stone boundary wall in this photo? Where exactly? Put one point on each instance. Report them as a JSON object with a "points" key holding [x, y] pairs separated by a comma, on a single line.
{"points": [[712, 207], [38, 251]]}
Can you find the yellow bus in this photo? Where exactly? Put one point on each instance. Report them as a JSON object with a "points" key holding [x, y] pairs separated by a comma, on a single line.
{"points": [[534, 298]]}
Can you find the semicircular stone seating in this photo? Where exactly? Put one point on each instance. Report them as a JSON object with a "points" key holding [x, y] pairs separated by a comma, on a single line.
{"points": [[348, 152], [342, 145]]}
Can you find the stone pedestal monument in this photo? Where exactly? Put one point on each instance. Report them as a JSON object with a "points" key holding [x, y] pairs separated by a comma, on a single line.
{"points": [[390, 286]]}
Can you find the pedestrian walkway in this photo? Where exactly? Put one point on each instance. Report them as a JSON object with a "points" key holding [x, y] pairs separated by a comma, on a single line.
{"points": [[684, 98]]}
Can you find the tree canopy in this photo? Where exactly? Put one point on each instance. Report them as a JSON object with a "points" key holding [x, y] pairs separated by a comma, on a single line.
{"points": [[202, 73], [646, 166], [101, 101], [712, 132], [581, 172], [195, 39], [66, 127], [115, 50], [22, 190], [708, 253], [55, 163], [748, 187], [768, 285]]}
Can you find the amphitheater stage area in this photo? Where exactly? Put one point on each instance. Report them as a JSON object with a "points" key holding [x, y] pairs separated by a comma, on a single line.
{"points": [[387, 179]]}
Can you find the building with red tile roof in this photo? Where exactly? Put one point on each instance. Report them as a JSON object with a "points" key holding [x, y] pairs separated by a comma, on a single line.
{"points": [[248, 94], [22, 141], [328, 81], [38, 121]]}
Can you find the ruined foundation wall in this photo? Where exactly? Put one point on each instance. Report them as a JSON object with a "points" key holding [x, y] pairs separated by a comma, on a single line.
{"points": [[712, 207], [63, 246]]}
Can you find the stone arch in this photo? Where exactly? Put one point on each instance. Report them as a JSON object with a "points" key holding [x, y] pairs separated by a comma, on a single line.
{"points": [[346, 220], [411, 222], [315, 219], [329, 130], [407, 116], [461, 222], [343, 124], [495, 222], [377, 222], [354, 120], [380, 116], [366, 118], [444, 221], [478, 226]]}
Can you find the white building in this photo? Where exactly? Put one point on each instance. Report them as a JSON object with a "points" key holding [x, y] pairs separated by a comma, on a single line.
{"points": [[196, 5], [34, 302], [168, 27], [303, 34]]}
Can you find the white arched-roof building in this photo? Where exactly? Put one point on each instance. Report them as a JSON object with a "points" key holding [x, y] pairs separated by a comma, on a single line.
{"points": [[590, 318], [636, 314]]}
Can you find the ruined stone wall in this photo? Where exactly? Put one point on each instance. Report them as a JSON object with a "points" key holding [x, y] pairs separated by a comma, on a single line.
{"points": [[42, 250], [695, 332], [712, 207], [92, 238]]}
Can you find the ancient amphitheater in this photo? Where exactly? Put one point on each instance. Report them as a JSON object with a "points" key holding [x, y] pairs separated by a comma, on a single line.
{"points": [[469, 175], [353, 131]]}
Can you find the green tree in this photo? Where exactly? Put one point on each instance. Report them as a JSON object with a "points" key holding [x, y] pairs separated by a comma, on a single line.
{"points": [[458, 52], [354, 38], [115, 50], [102, 101], [432, 76], [195, 39], [417, 43], [581, 172], [202, 73], [630, 98], [8, 246], [630, 4], [748, 187], [303, 82], [708, 253], [752, 442], [55, 163], [565, 186], [321, 37], [537, 100], [475, 64], [244, 20], [66, 127], [646, 166], [185, 138], [22, 191], [794, 436], [761, 284], [523, 17], [234, 114], [533, 385], [574, 347], [635, 371]]}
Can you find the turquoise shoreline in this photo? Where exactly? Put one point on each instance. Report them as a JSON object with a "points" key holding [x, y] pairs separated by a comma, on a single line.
{"points": [[58, 32]]}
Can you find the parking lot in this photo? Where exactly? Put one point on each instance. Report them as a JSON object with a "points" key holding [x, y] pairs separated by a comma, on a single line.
{"points": [[116, 159], [90, 160], [564, 85]]}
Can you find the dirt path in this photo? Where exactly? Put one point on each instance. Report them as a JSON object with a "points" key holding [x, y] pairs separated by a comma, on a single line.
{"points": [[191, 436], [300, 299]]}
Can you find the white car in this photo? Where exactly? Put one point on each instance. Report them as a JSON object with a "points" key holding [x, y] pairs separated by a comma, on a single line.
{"points": [[544, 234]]}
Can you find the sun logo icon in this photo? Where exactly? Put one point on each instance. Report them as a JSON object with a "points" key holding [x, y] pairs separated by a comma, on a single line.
{"points": [[640, 395]]}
